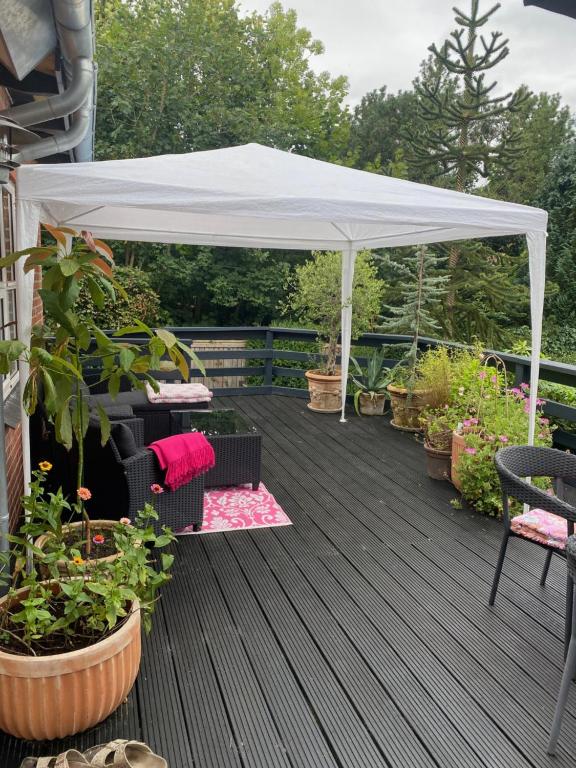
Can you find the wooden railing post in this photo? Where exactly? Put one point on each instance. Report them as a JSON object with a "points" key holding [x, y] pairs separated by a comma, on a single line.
{"points": [[268, 365]]}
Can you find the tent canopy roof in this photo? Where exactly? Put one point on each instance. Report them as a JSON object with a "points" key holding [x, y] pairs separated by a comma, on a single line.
{"points": [[255, 196]]}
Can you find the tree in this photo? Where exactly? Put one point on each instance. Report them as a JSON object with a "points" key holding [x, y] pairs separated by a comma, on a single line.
{"points": [[545, 126], [467, 137], [558, 197], [315, 299]]}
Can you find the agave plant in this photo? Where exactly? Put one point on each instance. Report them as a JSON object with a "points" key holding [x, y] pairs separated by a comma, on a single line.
{"points": [[372, 380]]}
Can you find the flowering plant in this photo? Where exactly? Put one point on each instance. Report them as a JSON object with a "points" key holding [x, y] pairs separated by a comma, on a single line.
{"points": [[502, 420], [66, 608]]}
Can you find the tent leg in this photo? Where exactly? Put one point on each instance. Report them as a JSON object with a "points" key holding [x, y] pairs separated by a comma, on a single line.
{"points": [[537, 261], [348, 261]]}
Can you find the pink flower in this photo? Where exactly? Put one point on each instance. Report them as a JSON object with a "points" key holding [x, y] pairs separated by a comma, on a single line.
{"points": [[490, 438], [124, 520], [544, 421], [527, 406], [525, 386], [482, 375], [474, 421], [467, 423], [541, 435], [471, 451], [84, 494], [157, 489], [540, 402], [494, 379], [446, 407], [503, 438], [98, 539]]}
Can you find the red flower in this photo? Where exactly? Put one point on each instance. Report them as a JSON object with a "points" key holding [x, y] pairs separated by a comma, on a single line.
{"points": [[98, 539], [155, 488], [84, 494]]}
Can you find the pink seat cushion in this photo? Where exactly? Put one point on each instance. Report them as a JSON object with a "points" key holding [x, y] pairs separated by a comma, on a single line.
{"points": [[541, 526]]}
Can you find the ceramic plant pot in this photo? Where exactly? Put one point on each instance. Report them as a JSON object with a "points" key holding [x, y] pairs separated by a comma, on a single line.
{"points": [[407, 407], [50, 697], [438, 463], [372, 406], [325, 392]]}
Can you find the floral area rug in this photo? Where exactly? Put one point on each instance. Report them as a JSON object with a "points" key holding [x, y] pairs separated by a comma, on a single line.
{"points": [[239, 508]]}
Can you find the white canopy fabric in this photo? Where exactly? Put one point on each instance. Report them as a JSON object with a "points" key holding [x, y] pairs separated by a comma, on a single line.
{"points": [[258, 197]]}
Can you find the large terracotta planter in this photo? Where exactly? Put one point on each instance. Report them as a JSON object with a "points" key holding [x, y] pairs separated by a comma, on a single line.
{"points": [[107, 525], [406, 407], [325, 392], [458, 446], [372, 406], [49, 697]]}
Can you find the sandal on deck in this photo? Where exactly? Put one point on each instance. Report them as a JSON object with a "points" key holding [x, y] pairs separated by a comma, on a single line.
{"points": [[69, 759], [121, 753]]}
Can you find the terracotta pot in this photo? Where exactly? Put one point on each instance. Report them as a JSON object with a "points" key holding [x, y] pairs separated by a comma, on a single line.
{"points": [[372, 406], [406, 408], [458, 445], [438, 463], [325, 392], [107, 525], [49, 697]]}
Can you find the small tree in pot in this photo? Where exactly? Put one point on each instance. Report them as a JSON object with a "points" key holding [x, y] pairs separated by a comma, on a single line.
{"points": [[420, 292], [316, 300]]}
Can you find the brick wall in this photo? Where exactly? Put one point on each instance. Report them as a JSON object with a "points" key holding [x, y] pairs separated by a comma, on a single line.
{"points": [[13, 436]]}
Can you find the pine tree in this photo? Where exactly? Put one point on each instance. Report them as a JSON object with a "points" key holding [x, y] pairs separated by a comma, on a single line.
{"points": [[420, 291], [466, 136]]}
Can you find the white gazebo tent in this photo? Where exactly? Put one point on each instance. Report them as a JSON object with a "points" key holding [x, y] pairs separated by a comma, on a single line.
{"points": [[254, 196]]}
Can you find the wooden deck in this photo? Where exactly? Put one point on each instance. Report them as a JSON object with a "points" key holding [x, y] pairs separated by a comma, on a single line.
{"points": [[358, 637]]}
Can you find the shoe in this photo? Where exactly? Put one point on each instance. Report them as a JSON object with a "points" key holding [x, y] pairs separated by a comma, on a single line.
{"points": [[121, 753]]}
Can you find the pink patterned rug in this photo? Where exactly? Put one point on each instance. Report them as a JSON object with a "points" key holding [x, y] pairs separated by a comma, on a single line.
{"points": [[240, 508]]}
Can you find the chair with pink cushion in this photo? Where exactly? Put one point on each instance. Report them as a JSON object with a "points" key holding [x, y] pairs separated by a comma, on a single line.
{"points": [[549, 519]]}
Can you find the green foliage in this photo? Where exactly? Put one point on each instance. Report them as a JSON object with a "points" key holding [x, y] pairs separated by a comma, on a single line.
{"points": [[558, 197], [502, 420], [371, 380], [195, 74], [315, 299], [137, 299], [84, 599], [420, 292]]}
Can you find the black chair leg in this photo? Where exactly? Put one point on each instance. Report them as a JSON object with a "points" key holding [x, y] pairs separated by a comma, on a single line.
{"points": [[569, 671], [546, 567], [499, 565]]}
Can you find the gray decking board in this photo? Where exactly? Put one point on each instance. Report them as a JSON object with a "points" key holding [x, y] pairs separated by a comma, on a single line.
{"points": [[359, 637]]}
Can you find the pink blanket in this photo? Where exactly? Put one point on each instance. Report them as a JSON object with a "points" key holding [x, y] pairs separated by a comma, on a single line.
{"points": [[183, 457], [179, 393]]}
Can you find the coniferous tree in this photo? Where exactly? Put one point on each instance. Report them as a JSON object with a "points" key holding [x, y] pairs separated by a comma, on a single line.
{"points": [[466, 136]]}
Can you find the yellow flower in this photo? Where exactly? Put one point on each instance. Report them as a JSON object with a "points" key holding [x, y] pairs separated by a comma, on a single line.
{"points": [[78, 560], [45, 466]]}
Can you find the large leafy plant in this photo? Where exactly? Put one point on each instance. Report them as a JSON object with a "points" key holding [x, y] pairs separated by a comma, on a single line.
{"points": [[372, 380], [68, 342]]}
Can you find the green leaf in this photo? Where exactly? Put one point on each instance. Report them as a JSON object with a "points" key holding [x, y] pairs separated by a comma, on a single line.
{"points": [[96, 292], [64, 426], [167, 337], [68, 267], [126, 357], [104, 424]]}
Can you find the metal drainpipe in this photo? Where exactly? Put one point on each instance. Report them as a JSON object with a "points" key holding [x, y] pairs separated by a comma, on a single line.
{"points": [[60, 142], [61, 105]]}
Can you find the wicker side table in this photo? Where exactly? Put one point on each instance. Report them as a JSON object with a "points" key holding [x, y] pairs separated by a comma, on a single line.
{"points": [[236, 442]]}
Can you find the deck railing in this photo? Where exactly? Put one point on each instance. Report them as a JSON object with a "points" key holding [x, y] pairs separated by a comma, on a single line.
{"points": [[264, 352]]}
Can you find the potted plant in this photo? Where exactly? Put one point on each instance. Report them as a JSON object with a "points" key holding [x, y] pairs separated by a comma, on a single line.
{"points": [[420, 292], [371, 384], [316, 300], [73, 629], [438, 418]]}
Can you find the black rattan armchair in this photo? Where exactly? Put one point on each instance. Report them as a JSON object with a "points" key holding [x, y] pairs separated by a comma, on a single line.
{"points": [[542, 524], [124, 482]]}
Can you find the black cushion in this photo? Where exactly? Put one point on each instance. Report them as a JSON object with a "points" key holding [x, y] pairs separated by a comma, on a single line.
{"points": [[124, 440], [117, 412]]}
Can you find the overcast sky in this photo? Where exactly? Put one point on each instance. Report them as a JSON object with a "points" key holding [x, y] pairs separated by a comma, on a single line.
{"points": [[382, 42]]}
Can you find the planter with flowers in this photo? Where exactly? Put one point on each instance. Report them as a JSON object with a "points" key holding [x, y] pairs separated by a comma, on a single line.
{"points": [[500, 419], [70, 620]]}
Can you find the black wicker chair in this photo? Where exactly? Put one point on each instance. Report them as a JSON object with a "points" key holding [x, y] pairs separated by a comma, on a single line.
{"points": [[516, 463], [122, 483], [570, 665]]}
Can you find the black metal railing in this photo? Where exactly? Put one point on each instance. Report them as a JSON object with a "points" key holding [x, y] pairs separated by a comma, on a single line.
{"points": [[261, 371]]}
